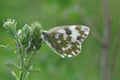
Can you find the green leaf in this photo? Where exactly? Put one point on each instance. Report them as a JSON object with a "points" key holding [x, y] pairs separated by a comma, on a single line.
{"points": [[10, 25], [35, 70], [15, 75], [36, 39], [6, 46], [13, 66], [24, 36]]}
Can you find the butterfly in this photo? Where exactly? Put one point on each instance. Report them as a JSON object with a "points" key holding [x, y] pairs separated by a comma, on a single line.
{"points": [[66, 40]]}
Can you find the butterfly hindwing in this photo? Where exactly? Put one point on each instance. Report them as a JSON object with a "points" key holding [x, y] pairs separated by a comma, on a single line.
{"points": [[66, 40]]}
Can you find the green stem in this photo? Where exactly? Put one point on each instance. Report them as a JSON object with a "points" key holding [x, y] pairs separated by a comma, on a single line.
{"points": [[29, 65], [25, 68], [22, 64]]}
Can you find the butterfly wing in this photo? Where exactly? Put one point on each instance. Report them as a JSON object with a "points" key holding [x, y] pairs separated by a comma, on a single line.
{"points": [[66, 40]]}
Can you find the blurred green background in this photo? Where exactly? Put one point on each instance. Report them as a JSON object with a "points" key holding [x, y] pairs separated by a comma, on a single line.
{"points": [[51, 13]]}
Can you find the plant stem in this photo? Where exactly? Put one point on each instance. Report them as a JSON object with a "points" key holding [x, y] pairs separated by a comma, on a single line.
{"points": [[21, 64], [25, 68], [105, 47]]}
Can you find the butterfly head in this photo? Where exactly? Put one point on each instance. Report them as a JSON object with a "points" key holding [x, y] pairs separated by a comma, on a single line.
{"points": [[45, 35]]}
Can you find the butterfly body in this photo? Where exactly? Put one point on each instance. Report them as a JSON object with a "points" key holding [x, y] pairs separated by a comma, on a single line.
{"points": [[66, 40]]}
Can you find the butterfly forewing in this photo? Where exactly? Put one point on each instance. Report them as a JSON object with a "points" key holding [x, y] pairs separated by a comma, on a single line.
{"points": [[66, 40]]}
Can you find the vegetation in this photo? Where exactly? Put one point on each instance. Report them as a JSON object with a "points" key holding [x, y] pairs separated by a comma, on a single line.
{"points": [[99, 59]]}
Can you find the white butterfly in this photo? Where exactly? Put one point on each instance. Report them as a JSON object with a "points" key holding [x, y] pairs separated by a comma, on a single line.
{"points": [[66, 40]]}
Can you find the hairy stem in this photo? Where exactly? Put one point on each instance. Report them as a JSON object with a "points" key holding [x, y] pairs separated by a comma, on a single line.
{"points": [[22, 64]]}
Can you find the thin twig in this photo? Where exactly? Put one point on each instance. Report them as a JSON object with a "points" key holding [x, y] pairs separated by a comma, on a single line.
{"points": [[105, 47], [115, 54], [94, 32]]}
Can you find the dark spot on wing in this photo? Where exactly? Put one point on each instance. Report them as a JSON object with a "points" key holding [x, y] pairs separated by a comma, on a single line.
{"points": [[79, 37], [68, 31]]}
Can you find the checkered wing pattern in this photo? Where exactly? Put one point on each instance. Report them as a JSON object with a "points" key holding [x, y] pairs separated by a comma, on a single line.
{"points": [[66, 40]]}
